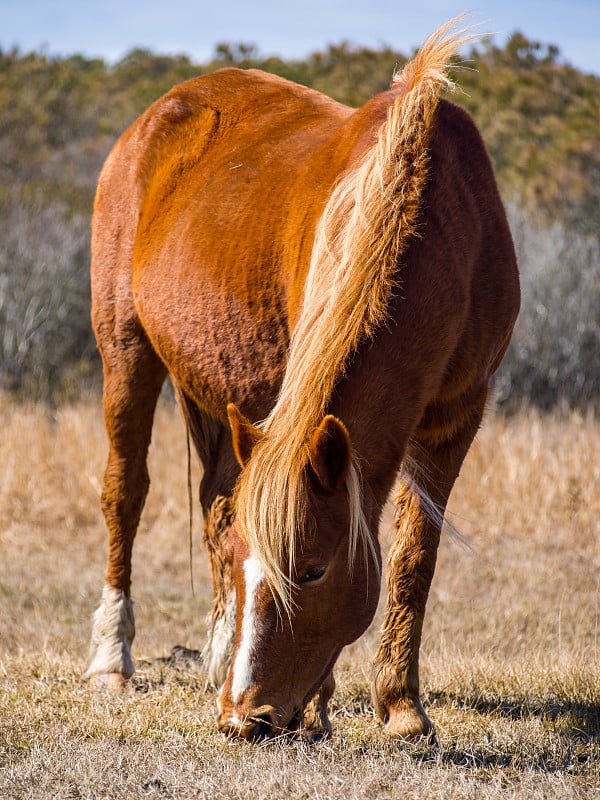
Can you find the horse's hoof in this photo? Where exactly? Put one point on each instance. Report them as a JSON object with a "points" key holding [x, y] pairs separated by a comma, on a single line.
{"points": [[315, 725], [110, 682], [408, 720], [314, 731]]}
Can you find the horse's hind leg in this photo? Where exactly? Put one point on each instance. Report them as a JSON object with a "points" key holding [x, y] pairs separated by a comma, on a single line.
{"points": [[133, 376], [434, 460], [316, 722]]}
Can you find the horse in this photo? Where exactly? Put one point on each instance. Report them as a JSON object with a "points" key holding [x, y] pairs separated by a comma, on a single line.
{"points": [[330, 291]]}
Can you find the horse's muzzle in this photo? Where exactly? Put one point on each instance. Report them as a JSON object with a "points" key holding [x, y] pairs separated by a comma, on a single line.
{"points": [[260, 724]]}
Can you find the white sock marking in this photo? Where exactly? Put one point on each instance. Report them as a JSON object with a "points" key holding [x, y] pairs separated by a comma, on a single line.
{"points": [[112, 635], [217, 652]]}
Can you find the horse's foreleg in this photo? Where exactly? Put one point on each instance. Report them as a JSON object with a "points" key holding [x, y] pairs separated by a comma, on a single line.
{"points": [[131, 390], [436, 463]]}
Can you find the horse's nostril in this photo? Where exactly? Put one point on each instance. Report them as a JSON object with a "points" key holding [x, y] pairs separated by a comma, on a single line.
{"points": [[260, 726], [256, 726]]}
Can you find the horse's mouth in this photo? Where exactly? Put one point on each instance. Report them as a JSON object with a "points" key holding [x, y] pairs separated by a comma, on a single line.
{"points": [[261, 727]]}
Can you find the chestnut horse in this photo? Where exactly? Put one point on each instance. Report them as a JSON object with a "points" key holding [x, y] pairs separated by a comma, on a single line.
{"points": [[330, 291]]}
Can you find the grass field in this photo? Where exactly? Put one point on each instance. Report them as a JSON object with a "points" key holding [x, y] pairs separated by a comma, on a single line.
{"points": [[510, 659]]}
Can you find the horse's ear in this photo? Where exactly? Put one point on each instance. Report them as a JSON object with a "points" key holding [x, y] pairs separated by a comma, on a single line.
{"points": [[329, 453], [244, 435]]}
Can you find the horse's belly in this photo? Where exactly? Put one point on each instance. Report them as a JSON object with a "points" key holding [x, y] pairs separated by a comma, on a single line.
{"points": [[219, 346]]}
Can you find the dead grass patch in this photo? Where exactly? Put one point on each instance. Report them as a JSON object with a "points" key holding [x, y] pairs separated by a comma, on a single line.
{"points": [[510, 666]]}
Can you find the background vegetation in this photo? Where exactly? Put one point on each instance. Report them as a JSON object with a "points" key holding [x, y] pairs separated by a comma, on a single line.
{"points": [[539, 118]]}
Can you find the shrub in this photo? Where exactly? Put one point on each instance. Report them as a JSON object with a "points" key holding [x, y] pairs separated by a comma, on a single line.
{"points": [[554, 356], [45, 333]]}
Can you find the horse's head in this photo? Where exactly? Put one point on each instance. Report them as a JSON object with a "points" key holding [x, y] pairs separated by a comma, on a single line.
{"points": [[282, 657]]}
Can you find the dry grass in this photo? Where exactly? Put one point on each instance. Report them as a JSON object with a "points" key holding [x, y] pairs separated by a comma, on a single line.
{"points": [[511, 668]]}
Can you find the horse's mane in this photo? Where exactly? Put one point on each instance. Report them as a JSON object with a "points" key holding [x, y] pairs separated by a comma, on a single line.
{"points": [[367, 224]]}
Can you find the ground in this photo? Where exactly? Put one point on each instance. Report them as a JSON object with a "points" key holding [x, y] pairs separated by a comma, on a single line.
{"points": [[510, 657]]}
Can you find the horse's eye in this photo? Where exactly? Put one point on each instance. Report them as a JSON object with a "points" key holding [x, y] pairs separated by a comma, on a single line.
{"points": [[312, 574]]}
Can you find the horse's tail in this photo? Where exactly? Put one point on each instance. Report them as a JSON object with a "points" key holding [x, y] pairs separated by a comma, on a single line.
{"points": [[368, 223], [372, 214]]}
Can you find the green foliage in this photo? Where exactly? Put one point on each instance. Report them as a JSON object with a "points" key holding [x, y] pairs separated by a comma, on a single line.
{"points": [[352, 75], [59, 117], [540, 121]]}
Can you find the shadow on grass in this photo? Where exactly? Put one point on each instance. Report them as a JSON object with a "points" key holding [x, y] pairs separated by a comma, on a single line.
{"points": [[561, 756], [547, 760], [581, 720], [567, 741], [570, 743], [182, 667]]}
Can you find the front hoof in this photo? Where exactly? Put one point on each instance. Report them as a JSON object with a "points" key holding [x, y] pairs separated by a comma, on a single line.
{"points": [[109, 682], [408, 720]]}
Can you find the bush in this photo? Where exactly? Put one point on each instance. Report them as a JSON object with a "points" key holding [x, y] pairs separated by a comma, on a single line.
{"points": [[554, 357], [47, 347], [45, 334]]}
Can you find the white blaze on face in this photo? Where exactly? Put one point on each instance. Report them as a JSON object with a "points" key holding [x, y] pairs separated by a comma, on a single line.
{"points": [[242, 666]]}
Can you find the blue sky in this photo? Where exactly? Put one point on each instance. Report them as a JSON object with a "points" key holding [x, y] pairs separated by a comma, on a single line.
{"points": [[109, 28]]}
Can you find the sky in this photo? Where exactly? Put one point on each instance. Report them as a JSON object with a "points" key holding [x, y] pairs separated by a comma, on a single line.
{"points": [[110, 28]]}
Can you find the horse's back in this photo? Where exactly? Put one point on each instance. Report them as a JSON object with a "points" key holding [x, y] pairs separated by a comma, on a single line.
{"points": [[199, 136], [205, 218]]}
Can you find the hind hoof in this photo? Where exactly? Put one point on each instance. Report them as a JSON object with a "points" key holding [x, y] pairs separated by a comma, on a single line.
{"points": [[109, 682], [316, 725]]}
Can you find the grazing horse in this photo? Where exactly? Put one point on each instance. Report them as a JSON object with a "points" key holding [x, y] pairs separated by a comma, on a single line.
{"points": [[330, 290]]}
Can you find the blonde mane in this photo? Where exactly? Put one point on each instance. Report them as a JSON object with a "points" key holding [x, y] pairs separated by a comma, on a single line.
{"points": [[368, 222]]}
